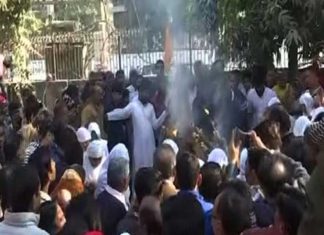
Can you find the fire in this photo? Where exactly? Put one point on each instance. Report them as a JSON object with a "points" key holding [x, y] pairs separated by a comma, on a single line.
{"points": [[175, 132]]}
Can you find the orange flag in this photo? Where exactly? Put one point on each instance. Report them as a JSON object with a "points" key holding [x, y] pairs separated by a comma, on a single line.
{"points": [[168, 48]]}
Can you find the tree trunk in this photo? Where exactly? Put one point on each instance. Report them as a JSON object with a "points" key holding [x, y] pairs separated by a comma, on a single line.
{"points": [[292, 62]]}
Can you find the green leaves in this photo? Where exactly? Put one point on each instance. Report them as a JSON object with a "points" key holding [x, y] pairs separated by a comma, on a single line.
{"points": [[267, 24]]}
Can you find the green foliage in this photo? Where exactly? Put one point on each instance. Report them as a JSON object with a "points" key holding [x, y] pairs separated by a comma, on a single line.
{"points": [[254, 30], [29, 26], [17, 25], [86, 12], [10, 19]]}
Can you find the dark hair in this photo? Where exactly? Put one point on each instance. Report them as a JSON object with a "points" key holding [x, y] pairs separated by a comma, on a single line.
{"points": [[5, 183], [269, 134], [291, 205], [32, 107], [278, 113], [259, 74], [13, 107], [84, 207], [211, 181], [148, 182], [72, 90], [59, 108], [42, 116], [182, 215], [85, 94], [164, 161], [10, 148], [24, 186], [44, 128], [273, 173], [187, 171], [255, 156], [133, 74], [235, 207], [41, 160], [159, 62], [117, 86], [120, 73], [146, 85], [75, 226], [47, 212]]}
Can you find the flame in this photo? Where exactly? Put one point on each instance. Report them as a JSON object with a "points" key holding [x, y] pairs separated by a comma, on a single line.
{"points": [[175, 132]]}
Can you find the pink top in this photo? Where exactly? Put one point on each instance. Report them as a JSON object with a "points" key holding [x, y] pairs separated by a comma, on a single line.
{"points": [[1, 65]]}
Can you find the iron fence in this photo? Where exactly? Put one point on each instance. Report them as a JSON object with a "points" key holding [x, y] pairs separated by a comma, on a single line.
{"points": [[72, 55]]}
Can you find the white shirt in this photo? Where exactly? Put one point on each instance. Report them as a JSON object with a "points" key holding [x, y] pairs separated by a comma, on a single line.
{"points": [[133, 94], [21, 224], [118, 195], [257, 105]]}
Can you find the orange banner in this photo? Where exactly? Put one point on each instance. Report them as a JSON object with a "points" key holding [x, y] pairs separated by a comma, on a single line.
{"points": [[168, 48]]}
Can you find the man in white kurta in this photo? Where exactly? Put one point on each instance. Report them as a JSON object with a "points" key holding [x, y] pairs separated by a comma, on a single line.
{"points": [[144, 124]]}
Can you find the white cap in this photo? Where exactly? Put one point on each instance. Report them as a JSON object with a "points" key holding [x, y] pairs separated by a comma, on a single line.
{"points": [[316, 112], [273, 101], [95, 149], [307, 100], [172, 144], [119, 151], [218, 156], [83, 135], [300, 126]]}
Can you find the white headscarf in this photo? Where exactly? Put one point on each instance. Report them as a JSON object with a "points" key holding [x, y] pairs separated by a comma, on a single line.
{"points": [[83, 135], [307, 100], [172, 144], [93, 126], [218, 156], [300, 126], [273, 101], [119, 150], [316, 112], [94, 150]]}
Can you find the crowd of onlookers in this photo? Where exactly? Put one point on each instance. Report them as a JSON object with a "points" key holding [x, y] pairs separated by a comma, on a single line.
{"points": [[101, 161]]}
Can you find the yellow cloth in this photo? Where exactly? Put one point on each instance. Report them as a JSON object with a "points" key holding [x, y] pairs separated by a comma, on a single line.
{"points": [[282, 93]]}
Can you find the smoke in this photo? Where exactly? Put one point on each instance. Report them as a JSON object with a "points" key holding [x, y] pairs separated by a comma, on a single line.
{"points": [[182, 90], [180, 96]]}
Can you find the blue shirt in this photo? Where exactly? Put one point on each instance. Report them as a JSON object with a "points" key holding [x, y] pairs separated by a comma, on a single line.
{"points": [[207, 208]]}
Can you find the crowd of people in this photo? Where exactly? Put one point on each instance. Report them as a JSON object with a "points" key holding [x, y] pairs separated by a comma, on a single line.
{"points": [[101, 159]]}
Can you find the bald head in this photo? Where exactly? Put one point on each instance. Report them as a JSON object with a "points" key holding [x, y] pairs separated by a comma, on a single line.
{"points": [[164, 161], [273, 172]]}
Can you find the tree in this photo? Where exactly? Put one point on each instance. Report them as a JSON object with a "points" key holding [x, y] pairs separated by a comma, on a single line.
{"points": [[85, 12], [252, 31], [17, 24], [10, 18]]}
